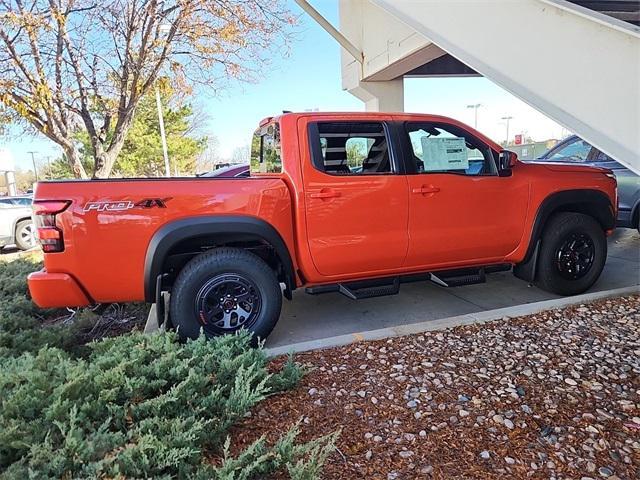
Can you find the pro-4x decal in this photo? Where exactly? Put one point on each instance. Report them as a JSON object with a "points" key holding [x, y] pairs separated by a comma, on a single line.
{"points": [[121, 206]]}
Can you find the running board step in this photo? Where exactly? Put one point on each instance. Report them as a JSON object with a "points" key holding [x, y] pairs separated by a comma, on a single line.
{"points": [[359, 290], [451, 279], [370, 292]]}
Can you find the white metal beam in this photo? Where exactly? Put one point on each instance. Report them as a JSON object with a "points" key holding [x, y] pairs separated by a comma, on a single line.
{"points": [[331, 30]]}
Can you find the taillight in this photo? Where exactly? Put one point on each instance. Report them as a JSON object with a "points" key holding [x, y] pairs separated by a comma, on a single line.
{"points": [[49, 235]]}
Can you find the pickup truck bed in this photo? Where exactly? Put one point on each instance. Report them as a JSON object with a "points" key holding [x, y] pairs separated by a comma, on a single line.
{"points": [[107, 234]]}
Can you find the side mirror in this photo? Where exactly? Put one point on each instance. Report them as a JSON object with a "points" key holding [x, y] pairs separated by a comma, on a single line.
{"points": [[506, 161]]}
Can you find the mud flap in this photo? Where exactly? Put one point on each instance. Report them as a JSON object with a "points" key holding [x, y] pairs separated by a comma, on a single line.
{"points": [[527, 269]]}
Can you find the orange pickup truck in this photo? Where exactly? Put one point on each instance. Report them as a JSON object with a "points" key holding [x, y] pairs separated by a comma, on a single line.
{"points": [[355, 203]]}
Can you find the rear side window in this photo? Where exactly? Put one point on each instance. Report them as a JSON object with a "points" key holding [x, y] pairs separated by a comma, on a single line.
{"points": [[266, 155], [350, 148]]}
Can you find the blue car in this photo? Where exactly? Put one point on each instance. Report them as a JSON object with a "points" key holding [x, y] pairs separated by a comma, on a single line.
{"points": [[575, 150]]}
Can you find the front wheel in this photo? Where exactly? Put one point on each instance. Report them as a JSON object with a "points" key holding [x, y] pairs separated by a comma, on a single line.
{"points": [[572, 254], [223, 291]]}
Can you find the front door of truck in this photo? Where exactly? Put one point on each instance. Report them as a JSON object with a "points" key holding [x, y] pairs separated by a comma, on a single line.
{"points": [[356, 202], [460, 211]]}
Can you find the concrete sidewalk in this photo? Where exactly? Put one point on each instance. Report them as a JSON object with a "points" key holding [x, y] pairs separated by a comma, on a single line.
{"points": [[310, 318]]}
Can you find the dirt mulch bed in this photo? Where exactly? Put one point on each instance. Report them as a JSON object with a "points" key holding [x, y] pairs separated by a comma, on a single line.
{"points": [[551, 395]]}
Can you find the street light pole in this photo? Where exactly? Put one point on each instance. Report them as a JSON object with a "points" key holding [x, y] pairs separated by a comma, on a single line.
{"points": [[165, 28], [475, 107], [33, 159], [163, 137], [506, 142]]}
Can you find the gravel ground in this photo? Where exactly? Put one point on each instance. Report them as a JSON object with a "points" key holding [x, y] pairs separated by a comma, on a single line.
{"points": [[551, 395]]}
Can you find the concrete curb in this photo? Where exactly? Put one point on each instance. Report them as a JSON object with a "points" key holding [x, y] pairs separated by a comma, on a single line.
{"points": [[449, 322]]}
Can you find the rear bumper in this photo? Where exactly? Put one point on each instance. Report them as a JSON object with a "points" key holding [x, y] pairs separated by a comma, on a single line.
{"points": [[52, 290]]}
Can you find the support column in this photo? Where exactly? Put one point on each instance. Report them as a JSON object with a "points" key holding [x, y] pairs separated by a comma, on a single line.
{"points": [[385, 96]]}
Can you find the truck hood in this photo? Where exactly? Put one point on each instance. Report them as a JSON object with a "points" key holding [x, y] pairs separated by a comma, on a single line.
{"points": [[563, 167]]}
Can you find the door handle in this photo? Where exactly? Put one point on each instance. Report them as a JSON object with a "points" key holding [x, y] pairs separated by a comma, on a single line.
{"points": [[426, 189], [325, 193]]}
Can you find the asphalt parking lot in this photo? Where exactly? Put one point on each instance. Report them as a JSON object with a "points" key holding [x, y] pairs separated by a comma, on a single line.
{"points": [[310, 317]]}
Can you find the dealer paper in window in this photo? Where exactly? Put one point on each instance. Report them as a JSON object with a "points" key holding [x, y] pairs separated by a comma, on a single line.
{"points": [[444, 154]]}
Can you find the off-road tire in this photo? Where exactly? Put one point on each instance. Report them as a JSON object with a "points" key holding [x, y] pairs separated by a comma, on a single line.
{"points": [[21, 243], [561, 227], [208, 266]]}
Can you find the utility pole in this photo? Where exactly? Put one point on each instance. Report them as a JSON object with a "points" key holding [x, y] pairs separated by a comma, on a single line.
{"points": [[48, 175], [164, 29], [163, 137], [475, 107], [33, 159], [507, 119]]}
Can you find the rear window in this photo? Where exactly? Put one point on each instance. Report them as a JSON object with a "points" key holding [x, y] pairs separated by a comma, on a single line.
{"points": [[350, 148], [265, 150]]}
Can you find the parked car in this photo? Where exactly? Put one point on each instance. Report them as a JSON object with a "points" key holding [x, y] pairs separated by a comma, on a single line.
{"points": [[574, 150], [16, 225], [355, 203], [230, 171], [21, 200]]}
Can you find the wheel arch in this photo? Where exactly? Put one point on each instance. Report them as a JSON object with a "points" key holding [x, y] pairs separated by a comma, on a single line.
{"points": [[213, 231], [594, 203], [18, 220]]}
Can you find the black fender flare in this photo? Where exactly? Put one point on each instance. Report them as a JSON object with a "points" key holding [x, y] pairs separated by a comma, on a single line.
{"points": [[169, 235], [587, 201]]}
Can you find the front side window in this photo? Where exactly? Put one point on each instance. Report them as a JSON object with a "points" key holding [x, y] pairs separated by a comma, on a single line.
{"points": [[351, 148], [441, 148], [575, 151], [266, 155]]}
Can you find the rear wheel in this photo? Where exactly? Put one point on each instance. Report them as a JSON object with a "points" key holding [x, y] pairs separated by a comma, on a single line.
{"points": [[25, 235], [572, 255], [223, 291]]}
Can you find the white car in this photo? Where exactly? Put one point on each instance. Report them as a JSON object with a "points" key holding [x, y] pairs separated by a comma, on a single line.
{"points": [[16, 225]]}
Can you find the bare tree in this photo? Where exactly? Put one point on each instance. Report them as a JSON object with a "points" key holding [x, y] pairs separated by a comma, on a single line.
{"points": [[68, 65], [241, 154], [210, 156]]}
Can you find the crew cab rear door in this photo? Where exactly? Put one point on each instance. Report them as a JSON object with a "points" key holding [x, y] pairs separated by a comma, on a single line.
{"points": [[461, 212], [356, 201]]}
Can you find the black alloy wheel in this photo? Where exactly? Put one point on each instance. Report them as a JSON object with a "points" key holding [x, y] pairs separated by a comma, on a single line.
{"points": [[575, 256], [226, 303]]}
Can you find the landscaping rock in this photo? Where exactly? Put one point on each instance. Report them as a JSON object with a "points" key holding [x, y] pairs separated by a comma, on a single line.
{"points": [[517, 398]]}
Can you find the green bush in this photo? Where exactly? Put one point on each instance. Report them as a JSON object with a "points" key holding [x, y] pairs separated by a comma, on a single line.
{"points": [[142, 406], [133, 406], [21, 321]]}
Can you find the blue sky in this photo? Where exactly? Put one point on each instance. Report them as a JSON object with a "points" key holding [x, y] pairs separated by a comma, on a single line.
{"points": [[309, 78]]}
